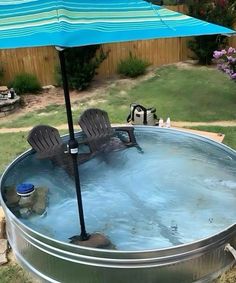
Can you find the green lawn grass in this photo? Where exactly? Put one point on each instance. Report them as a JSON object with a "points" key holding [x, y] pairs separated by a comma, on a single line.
{"points": [[52, 114], [13, 273], [198, 94], [12, 144]]}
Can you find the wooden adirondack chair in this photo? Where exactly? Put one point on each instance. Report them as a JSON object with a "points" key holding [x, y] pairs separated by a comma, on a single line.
{"points": [[47, 143], [97, 128]]}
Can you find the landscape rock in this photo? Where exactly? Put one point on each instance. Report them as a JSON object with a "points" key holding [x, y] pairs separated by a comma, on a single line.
{"points": [[40, 203], [8, 106], [47, 87], [12, 199], [96, 240], [3, 251], [3, 88], [2, 224], [25, 212]]}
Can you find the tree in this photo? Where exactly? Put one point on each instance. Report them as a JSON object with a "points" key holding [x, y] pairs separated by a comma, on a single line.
{"points": [[81, 65], [221, 12]]}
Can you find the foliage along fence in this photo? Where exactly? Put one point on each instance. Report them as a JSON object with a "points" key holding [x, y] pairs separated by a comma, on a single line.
{"points": [[42, 61], [156, 52]]}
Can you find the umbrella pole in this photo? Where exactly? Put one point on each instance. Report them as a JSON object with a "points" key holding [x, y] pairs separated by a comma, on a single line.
{"points": [[72, 144]]}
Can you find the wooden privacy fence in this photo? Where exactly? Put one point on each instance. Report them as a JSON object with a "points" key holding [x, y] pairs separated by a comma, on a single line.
{"points": [[157, 51], [42, 61], [232, 40]]}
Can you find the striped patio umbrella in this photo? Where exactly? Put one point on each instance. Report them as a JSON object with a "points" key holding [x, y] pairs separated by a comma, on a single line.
{"points": [[68, 23]]}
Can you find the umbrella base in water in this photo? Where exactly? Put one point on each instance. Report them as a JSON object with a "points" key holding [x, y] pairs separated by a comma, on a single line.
{"points": [[96, 240]]}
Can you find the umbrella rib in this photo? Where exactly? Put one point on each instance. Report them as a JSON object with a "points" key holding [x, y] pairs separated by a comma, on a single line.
{"points": [[158, 14]]}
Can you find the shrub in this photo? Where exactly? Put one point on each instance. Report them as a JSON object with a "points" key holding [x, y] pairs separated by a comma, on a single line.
{"points": [[132, 66], [221, 12], [25, 83], [81, 65], [226, 61], [203, 47]]}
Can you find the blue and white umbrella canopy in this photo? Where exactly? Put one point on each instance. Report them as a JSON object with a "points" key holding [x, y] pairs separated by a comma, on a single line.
{"points": [[68, 23]]}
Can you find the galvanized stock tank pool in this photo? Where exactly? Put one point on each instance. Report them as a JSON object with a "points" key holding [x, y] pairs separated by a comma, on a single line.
{"points": [[169, 212]]}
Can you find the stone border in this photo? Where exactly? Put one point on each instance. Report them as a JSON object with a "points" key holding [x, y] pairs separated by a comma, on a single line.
{"points": [[3, 240], [8, 106]]}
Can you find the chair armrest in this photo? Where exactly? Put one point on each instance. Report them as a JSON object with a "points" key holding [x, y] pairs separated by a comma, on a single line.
{"points": [[129, 130], [124, 128], [86, 142]]}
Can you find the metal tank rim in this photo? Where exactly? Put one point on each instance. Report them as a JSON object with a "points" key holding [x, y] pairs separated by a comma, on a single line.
{"points": [[123, 258]]}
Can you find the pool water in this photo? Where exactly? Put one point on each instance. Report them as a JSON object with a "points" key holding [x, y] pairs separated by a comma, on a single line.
{"points": [[181, 189]]}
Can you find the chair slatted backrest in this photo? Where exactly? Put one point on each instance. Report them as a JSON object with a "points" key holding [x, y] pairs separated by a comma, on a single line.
{"points": [[96, 126], [44, 139]]}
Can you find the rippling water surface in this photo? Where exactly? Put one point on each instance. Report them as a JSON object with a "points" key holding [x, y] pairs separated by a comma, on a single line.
{"points": [[180, 189]]}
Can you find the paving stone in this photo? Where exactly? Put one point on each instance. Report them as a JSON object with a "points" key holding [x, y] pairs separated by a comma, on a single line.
{"points": [[7, 106], [40, 200], [96, 240], [11, 196], [2, 224], [3, 251], [3, 88]]}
